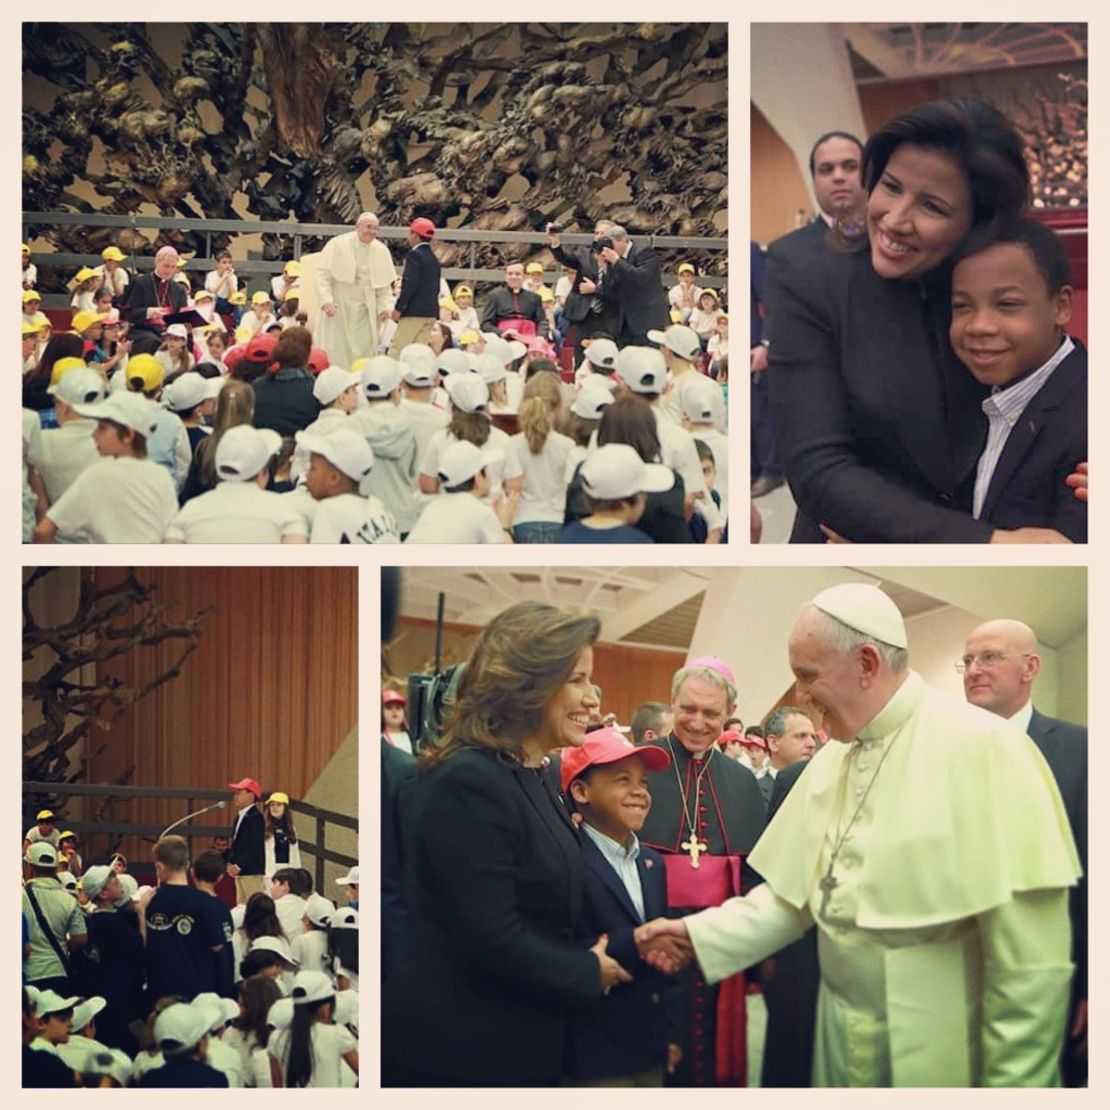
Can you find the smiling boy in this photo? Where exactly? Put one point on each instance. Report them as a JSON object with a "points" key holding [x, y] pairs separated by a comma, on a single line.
{"points": [[631, 1036], [1011, 302]]}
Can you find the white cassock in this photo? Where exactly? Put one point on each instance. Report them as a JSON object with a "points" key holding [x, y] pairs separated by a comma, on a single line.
{"points": [[945, 944], [357, 277]]}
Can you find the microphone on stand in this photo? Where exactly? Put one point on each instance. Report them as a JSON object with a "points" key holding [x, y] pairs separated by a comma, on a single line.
{"points": [[190, 816]]}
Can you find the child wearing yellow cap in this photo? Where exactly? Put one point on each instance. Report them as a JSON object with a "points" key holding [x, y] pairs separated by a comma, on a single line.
{"points": [[466, 315], [284, 283], [260, 315], [30, 270], [684, 294], [280, 837], [116, 278], [86, 282]]}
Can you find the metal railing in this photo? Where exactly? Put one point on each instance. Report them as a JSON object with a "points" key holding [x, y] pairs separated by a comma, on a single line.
{"points": [[299, 232], [193, 799]]}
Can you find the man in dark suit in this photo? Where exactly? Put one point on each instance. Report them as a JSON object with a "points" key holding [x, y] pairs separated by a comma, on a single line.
{"points": [[790, 979], [247, 859], [632, 1035], [149, 298], [834, 168], [1000, 665], [513, 302], [790, 737], [398, 769], [417, 306], [583, 309], [631, 283]]}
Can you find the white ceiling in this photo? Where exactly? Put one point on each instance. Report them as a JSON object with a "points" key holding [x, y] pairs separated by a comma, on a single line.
{"points": [[659, 606], [892, 51]]}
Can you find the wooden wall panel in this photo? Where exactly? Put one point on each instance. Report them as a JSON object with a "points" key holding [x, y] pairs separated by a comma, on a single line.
{"points": [[626, 675], [271, 692]]}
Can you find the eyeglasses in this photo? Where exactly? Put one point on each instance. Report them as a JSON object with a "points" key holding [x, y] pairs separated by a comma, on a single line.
{"points": [[985, 660]]}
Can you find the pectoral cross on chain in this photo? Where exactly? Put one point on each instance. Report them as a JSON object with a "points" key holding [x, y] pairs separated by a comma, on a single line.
{"points": [[828, 884], [695, 847]]}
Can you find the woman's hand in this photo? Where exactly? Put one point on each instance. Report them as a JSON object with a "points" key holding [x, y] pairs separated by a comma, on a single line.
{"points": [[1077, 479], [1028, 535], [611, 972]]}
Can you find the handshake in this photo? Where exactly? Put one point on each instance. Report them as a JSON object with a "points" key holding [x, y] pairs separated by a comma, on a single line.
{"points": [[662, 944]]}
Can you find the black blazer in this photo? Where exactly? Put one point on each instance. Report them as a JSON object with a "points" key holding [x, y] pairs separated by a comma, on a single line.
{"points": [[248, 849], [634, 285], [419, 294], [493, 873], [1027, 486], [790, 986], [577, 306], [499, 306], [398, 768], [1064, 747], [142, 294], [628, 1030], [879, 426]]}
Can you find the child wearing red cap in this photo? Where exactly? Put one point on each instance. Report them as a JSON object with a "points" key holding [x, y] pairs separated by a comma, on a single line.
{"points": [[394, 725], [247, 859], [630, 1037]]}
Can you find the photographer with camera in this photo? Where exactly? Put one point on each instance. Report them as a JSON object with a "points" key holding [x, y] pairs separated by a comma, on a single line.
{"points": [[585, 309], [631, 282]]}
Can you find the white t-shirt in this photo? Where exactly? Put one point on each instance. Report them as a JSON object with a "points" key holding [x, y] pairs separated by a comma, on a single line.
{"points": [[165, 360], [677, 293], [426, 419], [120, 500], [562, 289], [236, 512], [252, 320], [544, 497], [351, 518], [221, 285], [66, 451], [457, 518], [670, 404], [676, 446], [495, 452], [311, 949], [330, 1043], [290, 911], [32, 456], [328, 421]]}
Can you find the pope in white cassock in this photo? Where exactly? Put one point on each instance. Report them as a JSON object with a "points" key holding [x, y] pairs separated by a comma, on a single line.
{"points": [[353, 289], [931, 850]]}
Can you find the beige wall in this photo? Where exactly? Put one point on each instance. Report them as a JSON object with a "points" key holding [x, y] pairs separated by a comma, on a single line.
{"points": [[1071, 680]]}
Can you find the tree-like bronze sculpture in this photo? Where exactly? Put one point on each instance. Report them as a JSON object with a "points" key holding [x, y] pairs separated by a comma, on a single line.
{"points": [[315, 120], [109, 621]]}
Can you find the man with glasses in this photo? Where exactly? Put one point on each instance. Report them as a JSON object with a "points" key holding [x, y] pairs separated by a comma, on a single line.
{"points": [[1000, 665]]}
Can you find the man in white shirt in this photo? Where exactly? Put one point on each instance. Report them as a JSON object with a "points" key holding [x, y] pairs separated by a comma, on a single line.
{"points": [[930, 849], [353, 288]]}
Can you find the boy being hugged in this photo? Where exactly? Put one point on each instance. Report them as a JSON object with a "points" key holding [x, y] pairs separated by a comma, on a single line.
{"points": [[631, 1036]]}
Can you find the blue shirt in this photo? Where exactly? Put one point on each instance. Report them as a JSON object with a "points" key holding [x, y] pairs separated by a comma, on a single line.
{"points": [[623, 861]]}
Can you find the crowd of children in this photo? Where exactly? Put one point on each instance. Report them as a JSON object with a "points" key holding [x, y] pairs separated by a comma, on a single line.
{"points": [[176, 985], [237, 429]]}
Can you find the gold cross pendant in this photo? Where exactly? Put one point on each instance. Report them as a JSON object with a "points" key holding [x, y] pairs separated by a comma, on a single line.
{"points": [[695, 847]]}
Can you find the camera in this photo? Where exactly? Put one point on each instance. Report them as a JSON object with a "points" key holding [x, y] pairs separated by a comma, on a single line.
{"points": [[602, 243]]}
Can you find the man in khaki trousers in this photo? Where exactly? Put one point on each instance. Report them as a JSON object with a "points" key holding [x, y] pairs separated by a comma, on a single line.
{"points": [[247, 859]]}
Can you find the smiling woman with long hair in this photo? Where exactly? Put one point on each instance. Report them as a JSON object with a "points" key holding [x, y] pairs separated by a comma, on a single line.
{"points": [[878, 424], [492, 972]]}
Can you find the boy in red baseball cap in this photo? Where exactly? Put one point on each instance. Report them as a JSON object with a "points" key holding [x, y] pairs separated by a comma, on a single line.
{"points": [[247, 859], [394, 726], [417, 305], [630, 1037]]}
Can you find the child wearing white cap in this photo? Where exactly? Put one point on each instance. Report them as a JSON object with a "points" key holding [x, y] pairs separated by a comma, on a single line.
{"points": [[123, 497], [644, 372], [336, 389], [309, 1051], [181, 1032], [616, 480], [240, 509], [681, 349], [418, 381], [459, 514], [310, 949], [338, 464], [389, 432], [82, 1038], [469, 423], [69, 449], [702, 414], [174, 354], [192, 397]]}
